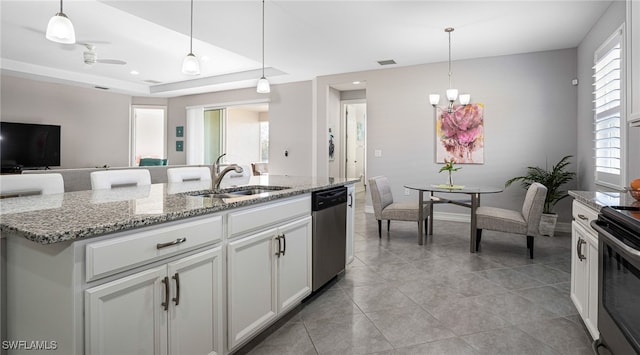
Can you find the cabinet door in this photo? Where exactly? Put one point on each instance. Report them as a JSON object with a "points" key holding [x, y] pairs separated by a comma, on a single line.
{"points": [[251, 293], [195, 311], [294, 265], [579, 269], [126, 316], [592, 289], [351, 215]]}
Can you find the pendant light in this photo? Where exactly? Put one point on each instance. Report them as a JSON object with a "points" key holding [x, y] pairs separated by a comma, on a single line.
{"points": [[190, 65], [263, 84], [452, 94], [60, 29]]}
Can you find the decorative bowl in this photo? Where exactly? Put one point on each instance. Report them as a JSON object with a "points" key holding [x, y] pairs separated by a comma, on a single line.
{"points": [[634, 193]]}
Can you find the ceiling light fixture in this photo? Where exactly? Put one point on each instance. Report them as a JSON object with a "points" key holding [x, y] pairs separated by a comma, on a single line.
{"points": [[60, 29], [190, 64], [263, 84], [452, 94]]}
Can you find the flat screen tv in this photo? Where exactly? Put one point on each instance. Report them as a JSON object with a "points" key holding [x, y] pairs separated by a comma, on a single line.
{"points": [[26, 145]]}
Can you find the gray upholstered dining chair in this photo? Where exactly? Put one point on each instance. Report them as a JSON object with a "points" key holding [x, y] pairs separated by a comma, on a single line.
{"points": [[385, 208], [525, 222]]}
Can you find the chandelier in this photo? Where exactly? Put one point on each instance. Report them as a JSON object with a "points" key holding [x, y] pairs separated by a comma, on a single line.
{"points": [[452, 94]]}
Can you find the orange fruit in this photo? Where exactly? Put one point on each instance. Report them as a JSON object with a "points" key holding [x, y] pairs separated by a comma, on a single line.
{"points": [[635, 184]]}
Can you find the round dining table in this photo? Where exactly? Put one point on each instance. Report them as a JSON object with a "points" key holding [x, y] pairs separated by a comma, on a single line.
{"points": [[472, 191]]}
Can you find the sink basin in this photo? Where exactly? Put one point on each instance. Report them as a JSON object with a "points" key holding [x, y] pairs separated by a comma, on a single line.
{"points": [[243, 191]]}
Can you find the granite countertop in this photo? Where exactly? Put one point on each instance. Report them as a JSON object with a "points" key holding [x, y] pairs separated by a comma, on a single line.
{"points": [[55, 218], [599, 199]]}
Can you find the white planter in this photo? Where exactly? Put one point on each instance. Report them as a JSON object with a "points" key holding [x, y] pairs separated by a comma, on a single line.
{"points": [[548, 224]]}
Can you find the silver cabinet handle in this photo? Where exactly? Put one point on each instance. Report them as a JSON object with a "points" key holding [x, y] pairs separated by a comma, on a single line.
{"points": [[583, 217], [177, 298], [579, 249], [168, 244], [279, 246], [284, 243], [350, 200], [165, 304]]}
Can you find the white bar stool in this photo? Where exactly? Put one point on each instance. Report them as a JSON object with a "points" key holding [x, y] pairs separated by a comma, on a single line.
{"points": [[108, 179], [30, 184], [201, 173]]}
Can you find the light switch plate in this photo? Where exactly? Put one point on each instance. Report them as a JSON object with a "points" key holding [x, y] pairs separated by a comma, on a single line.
{"points": [[377, 153]]}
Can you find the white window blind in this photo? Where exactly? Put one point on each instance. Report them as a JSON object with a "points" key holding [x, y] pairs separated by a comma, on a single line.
{"points": [[608, 93]]}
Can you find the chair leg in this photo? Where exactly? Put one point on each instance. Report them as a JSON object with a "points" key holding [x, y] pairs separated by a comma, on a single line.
{"points": [[530, 246], [379, 229], [426, 226], [478, 238], [388, 225]]}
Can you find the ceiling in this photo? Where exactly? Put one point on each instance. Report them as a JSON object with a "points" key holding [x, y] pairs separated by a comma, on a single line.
{"points": [[303, 38]]}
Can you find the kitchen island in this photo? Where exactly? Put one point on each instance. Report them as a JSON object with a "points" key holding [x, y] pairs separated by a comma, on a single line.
{"points": [[166, 268]]}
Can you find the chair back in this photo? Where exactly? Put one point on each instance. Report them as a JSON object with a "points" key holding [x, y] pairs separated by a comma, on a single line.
{"points": [[200, 173], [107, 179], [533, 207], [381, 196], [19, 184]]}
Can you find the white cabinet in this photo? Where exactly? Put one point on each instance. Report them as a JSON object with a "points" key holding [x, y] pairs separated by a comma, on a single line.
{"points": [[584, 266], [633, 60], [351, 216], [170, 309], [269, 272]]}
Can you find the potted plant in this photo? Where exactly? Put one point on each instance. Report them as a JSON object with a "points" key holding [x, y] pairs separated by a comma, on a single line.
{"points": [[553, 180]]}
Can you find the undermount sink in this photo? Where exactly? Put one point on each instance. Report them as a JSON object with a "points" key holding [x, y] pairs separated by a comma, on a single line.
{"points": [[243, 191]]}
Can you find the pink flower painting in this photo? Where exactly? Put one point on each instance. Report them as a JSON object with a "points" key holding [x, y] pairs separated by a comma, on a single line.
{"points": [[461, 134]]}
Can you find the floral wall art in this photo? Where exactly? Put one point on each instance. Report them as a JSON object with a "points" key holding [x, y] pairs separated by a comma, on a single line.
{"points": [[460, 134]]}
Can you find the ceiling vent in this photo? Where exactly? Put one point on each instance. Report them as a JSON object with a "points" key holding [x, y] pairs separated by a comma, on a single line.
{"points": [[101, 87], [154, 82], [387, 62]]}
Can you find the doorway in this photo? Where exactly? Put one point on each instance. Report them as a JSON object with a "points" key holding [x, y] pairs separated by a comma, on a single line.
{"points": [[354, 116], [148, 133]]}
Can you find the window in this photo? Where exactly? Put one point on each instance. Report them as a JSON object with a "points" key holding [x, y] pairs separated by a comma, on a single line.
{"points": [[608, 105]]}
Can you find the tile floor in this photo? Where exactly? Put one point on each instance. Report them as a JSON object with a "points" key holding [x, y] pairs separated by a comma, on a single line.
{"points": [[401, 298]]}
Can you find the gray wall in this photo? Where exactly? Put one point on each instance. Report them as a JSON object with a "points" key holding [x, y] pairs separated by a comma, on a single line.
{"points": [[606, 25], [94, 124], [530, 119]]}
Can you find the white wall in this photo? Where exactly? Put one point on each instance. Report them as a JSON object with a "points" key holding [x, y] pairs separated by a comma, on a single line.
{"points": [[606, 25], [94, 123], [530, 118], [243, 136]]}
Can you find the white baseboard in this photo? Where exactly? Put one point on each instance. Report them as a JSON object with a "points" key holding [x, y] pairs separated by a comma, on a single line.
{"points": [[464, 217]]}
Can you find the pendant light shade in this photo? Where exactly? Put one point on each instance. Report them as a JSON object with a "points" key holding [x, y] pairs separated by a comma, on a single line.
{"points": [[190, 64], [263, 84], [60, 29], [434, 99]]}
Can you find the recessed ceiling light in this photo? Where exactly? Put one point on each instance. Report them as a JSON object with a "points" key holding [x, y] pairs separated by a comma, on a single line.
{"points": [[356, 83], [135, 72]]}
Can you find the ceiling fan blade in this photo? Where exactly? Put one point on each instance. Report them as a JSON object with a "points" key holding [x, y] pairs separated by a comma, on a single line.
{"points": [[111, 61]]}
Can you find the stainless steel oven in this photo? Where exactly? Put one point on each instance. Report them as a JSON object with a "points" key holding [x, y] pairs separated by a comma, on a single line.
{"points": [[619, 279]]}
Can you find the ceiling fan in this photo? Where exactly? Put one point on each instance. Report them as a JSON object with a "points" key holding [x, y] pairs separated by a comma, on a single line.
{"points": [[91, 57]]}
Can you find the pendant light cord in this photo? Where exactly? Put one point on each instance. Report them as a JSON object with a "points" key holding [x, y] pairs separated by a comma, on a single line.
{"points": [[61, 7], [449, 30], [263, 38], [191, 32]]}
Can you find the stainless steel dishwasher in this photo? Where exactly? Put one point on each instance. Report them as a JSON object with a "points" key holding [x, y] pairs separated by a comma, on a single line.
{"points": [[329, 211]]}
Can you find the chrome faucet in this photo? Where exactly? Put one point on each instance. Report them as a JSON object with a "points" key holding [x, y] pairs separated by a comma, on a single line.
{"points": [[216, 166], [218, 178]]}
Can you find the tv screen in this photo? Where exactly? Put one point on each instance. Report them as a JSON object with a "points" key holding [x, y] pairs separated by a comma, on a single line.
{"points": [[25, 145]]}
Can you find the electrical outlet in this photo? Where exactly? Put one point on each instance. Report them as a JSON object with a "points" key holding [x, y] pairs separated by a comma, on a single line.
{"points": [[406, 192]]}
